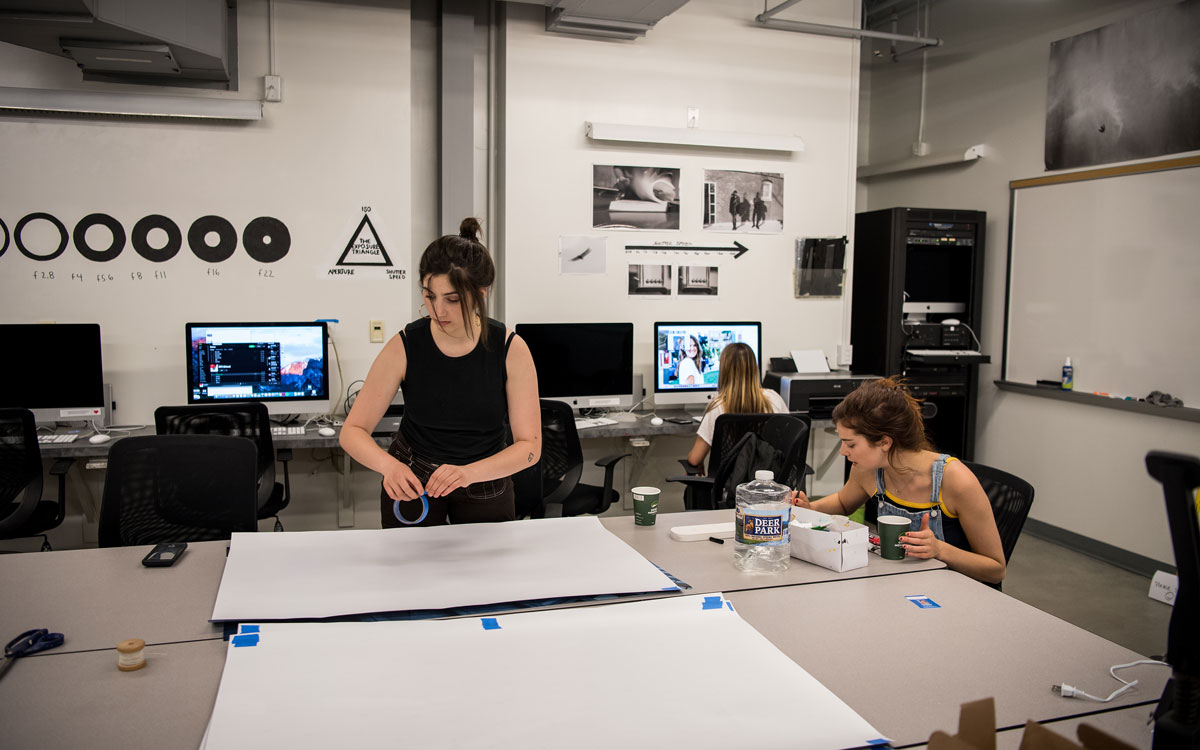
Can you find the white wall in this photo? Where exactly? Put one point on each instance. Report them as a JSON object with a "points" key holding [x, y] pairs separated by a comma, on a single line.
{"points": [[744, 78], [339, 140], [988, 85]]}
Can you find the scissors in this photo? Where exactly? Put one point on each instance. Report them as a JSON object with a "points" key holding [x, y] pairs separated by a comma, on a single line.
{"points": [[29, 642]]}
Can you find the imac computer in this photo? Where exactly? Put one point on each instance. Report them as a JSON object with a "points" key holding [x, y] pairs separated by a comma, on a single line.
{"points": [[687, 357], [282, 365], [587, 365], [54, 370]]}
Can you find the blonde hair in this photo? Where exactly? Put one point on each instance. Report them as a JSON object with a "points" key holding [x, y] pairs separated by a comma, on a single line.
{"points": [[738, 388]]}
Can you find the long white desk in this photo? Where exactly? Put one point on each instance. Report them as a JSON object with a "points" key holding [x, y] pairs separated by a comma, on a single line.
{"points": [[99, 597], [708, 567], [907, 669]]}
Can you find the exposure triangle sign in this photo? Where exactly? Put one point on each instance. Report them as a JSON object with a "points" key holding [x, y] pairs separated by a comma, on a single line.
{"points": [[364, 247]]}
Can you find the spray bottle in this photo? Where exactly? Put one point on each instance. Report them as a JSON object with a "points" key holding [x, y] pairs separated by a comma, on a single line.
{"points": [[1068, 376]]}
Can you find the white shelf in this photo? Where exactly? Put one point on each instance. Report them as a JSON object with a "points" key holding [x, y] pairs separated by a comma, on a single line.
{"points": [[603, 131]]}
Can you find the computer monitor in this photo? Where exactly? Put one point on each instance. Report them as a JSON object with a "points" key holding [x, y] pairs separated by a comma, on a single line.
{"points": [[54, 370], [587, 365], [687, 357], [282, 365]]}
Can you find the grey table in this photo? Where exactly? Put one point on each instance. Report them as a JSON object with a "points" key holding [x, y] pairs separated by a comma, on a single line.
{"points": [[708, 567], [81, 700], [907, 669], [99, 597], [1131, 725]]}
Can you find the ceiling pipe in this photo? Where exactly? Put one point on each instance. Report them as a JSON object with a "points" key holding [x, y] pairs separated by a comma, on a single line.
{"points": [[803, 27]]}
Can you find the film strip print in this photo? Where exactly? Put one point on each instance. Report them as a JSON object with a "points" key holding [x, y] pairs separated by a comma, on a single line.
{"points": [[265, 239]]}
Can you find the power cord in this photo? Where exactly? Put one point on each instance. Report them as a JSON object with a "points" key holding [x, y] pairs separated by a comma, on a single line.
{"points": [[1070, 691]]}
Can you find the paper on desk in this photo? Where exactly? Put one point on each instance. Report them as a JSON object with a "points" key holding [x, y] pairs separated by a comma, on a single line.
{"points": [[810, 360], [686, 671], [330, 573]]}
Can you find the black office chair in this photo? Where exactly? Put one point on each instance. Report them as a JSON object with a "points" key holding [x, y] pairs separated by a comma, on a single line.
{"points": [[1010, 496], [552, 488], [1177, 717], [247, 419], [22, 511], [178, 488], [785, 434]]}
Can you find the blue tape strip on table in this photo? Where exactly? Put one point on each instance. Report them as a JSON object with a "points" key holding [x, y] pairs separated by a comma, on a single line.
{"points": [[247, 639], [712, 602], [924, 602], [879, 741], [248, 629], [489, 623]]}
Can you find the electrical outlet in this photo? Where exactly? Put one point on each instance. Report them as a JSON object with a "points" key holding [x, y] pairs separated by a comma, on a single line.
{"points": [[273, 88], [376, 331]]}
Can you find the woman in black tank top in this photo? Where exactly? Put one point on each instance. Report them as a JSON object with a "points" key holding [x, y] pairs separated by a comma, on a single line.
{"points": [[464, 377]]}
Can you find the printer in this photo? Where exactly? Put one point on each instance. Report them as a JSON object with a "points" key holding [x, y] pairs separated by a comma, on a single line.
{"points": [[814, 393]]}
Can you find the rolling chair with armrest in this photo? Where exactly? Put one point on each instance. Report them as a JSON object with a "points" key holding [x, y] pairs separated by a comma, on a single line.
{"points": [[786, 433], [552, 487], [247, 419], [178, 488], [22, 511]]}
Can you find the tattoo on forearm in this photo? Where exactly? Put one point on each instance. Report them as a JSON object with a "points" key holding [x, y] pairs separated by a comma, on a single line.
{"points": [[530, 459]]}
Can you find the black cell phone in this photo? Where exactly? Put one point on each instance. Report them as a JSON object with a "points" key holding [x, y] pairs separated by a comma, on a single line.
{"points": [[164, 554], [680, 420]]}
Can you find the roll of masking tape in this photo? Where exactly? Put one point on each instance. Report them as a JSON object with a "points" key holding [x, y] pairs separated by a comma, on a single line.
{"points": [[131, 654]]}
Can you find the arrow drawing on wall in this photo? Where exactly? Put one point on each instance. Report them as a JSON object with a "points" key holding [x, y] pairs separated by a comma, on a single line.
{"points": [[738, 249]]}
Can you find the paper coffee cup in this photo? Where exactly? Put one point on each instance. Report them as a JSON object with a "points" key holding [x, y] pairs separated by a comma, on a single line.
{"points": [[890, 529], [645, 505]]}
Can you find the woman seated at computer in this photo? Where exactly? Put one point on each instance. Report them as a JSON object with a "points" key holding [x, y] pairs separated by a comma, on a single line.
{"points": [[738, 392], [462, 375], [691, 365], [883, 437]]}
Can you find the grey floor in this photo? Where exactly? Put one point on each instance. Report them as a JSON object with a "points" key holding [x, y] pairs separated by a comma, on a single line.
{"points": [[1094, 595]]}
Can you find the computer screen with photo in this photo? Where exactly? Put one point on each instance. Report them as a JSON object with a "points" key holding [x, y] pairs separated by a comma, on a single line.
{"points": [[281, 364], [687, 358], [587, 365], [54, 370]]}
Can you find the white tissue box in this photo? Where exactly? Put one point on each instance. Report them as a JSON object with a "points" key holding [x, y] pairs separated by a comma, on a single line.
{"points": [[845, 549]]}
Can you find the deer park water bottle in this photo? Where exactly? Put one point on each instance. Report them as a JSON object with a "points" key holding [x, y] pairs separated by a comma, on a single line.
{"points": [[764, 510]]}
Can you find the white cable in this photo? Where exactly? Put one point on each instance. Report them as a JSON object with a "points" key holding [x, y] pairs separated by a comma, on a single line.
{"points": [[921, 121], [1070, 691]]}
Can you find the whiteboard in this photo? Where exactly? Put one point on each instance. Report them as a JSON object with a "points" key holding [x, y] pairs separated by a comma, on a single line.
{"points": [[1105, 269]]}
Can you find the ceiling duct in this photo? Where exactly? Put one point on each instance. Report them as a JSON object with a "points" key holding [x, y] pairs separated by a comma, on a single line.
{"points": [[607, 19], [154, 42]]}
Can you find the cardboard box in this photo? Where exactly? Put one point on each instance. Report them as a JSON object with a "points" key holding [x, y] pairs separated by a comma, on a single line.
{"points": [[837, 550]]}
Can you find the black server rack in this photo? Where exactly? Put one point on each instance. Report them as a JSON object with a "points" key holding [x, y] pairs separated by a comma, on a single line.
{"points": [[916, 272]]}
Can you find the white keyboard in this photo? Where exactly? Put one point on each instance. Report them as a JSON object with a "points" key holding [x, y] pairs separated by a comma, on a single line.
{"points": [[583, 422], [67, 438], [945, 353], [291, 429]]}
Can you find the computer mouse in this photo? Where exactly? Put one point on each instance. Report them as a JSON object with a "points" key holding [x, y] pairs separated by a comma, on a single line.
{"points": [[656, 421], [326, 432], [99, 438]]}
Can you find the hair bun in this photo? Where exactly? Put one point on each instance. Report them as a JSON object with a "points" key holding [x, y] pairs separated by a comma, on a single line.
{"points": [[470, 229]]}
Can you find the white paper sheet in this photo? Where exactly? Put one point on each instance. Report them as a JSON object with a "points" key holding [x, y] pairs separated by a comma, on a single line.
{"points": [[330, 573], [810, 360], [681, 672]]}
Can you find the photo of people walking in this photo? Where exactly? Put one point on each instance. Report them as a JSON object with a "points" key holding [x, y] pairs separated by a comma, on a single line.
{"points": [[743, 202]]}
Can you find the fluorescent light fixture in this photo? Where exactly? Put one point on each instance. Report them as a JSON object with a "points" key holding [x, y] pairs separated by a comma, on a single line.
{"points": [[140, 105], [611, 28], [957, 156], [602, 131]]}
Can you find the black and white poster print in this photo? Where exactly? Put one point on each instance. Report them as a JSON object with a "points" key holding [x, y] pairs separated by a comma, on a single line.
{"points": [[698, 280], [1129, 90], [626, 197], [649, 279], [581, 254], [743, 202]]}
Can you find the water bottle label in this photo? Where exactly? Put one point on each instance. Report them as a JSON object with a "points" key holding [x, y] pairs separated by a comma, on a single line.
{"points": [[769, 528]]}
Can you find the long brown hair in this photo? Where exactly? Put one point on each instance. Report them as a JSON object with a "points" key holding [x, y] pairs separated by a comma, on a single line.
{"points": [[468, 266], [738, 389], [884, 408]]}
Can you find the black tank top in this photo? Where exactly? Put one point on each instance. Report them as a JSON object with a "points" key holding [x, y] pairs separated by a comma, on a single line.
{"points": [[454, 407]]}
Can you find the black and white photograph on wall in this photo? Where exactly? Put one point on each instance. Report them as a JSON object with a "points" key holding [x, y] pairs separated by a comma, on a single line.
{"points": [[635, 197], [581, 254], [744, 202], [820, 266], [649, 279], [699, 280], [1125, 91]]}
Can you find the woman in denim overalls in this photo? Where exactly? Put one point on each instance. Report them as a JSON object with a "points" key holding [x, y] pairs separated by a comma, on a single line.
{"points": [[883, 438]]}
